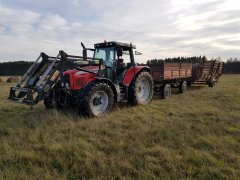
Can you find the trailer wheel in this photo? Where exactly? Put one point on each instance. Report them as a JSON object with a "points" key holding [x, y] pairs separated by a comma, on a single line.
{"points": [[141, 90], [211, 83], [166, 91], [189, 83], [95, 99], [183, 87]]}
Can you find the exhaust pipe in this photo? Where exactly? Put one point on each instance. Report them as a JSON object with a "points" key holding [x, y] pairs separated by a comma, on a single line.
{"points": [[84, 52]]}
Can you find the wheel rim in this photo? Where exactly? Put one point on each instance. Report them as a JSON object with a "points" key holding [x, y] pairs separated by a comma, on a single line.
{"points": [[167, 91], [143, 90], [184, 86], [99, 102]]}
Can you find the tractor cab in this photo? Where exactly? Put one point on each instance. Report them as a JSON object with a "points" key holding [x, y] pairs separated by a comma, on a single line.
{"points": [[117, 58]]}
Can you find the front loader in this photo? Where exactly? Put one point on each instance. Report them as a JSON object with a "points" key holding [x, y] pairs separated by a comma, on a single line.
{"points": [[37, 81], [90, 85]]}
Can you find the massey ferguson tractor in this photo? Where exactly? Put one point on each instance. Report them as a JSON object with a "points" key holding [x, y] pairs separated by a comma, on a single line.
{"points": [[91, 85]]}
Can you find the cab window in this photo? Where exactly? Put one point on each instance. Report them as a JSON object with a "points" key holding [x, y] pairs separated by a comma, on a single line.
{"points": [[126, 57], [107, 54]]}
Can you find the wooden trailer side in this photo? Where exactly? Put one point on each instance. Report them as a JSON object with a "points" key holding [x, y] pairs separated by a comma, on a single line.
{"points": [[207, 71], [170, 71]]}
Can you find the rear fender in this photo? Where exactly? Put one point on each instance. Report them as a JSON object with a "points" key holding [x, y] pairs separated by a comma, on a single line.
{"points": [[111, 84], [129, 75]]}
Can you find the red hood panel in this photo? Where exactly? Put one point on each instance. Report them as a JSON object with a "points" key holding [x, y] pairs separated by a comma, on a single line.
{"points": [[80, 78], [90, 68]]}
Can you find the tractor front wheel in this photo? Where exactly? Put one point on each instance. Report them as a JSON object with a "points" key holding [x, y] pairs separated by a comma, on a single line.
{"points": [[49, 101], [96, 99], [141, 90]]}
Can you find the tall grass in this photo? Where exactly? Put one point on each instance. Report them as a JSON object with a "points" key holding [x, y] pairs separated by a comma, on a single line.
{"points": [[192, 135]]}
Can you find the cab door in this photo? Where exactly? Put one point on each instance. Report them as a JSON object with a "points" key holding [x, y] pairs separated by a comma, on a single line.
{"points": [[108, 56]]}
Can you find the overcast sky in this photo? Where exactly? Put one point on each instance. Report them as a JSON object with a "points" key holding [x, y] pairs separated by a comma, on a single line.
{"points": [[159, 28]]}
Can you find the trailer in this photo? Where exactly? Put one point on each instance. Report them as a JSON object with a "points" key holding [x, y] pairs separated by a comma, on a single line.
{"points": [[207, 72], [167, 75]]}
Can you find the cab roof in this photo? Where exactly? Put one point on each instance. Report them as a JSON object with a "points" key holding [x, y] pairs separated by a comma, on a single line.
{"points": [[114, 43]]}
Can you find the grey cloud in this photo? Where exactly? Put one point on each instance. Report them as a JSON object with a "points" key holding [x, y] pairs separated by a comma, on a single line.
{"points": [[155, 26]]}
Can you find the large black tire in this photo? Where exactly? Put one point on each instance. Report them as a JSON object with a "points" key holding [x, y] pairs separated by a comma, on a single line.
{"points": [[48, 101], [141, 89], [183, 87], [211, 82], [51, 101], [95, 99], [166, 91]]}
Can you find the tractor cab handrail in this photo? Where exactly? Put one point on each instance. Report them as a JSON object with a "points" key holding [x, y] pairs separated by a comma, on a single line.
{"points": [[75, 59], [66, 56]]}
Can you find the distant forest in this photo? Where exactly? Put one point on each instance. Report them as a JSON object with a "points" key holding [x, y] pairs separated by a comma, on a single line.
{"points": [[17, 68]]}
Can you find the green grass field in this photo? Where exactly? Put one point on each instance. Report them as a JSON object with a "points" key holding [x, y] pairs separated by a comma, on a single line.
{"points": [[192, 135]]}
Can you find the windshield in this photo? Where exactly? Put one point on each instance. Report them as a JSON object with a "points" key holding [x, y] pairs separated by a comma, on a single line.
{"points": [[107, 54]]}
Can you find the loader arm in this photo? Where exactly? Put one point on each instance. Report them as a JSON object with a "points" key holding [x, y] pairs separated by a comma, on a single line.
{"points": [[37, 81]]}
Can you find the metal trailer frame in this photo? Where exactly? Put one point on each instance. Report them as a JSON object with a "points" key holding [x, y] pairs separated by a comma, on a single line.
{"points": [[207, 72]]}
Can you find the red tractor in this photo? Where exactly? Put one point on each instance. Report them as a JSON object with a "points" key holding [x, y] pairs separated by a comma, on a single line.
{"points": [[92, 85]]}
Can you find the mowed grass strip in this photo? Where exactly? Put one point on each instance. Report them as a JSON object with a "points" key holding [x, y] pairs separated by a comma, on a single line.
{"points": [[191, 135]]}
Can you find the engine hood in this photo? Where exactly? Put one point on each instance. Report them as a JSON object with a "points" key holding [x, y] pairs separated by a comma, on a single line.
{"points": [[77, 78], [79, 72]]}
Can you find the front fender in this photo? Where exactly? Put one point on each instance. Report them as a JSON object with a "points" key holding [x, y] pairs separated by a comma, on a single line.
{"points": [[129, 75]]}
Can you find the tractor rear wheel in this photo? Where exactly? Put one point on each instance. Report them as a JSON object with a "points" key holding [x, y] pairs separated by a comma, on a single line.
{"points": [[141, 90], [183, 87], [95, 99], [165, 91]]}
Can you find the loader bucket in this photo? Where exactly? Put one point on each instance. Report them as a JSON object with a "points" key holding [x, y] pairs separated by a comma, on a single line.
{"points": [[21, 95]]}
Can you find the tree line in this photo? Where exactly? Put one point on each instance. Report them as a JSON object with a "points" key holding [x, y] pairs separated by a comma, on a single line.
{"points": [[17, 68], [194, 59], [231, 66]]}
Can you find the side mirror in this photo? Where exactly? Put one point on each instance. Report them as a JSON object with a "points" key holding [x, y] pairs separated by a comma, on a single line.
{"points": [[119, 52]]}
